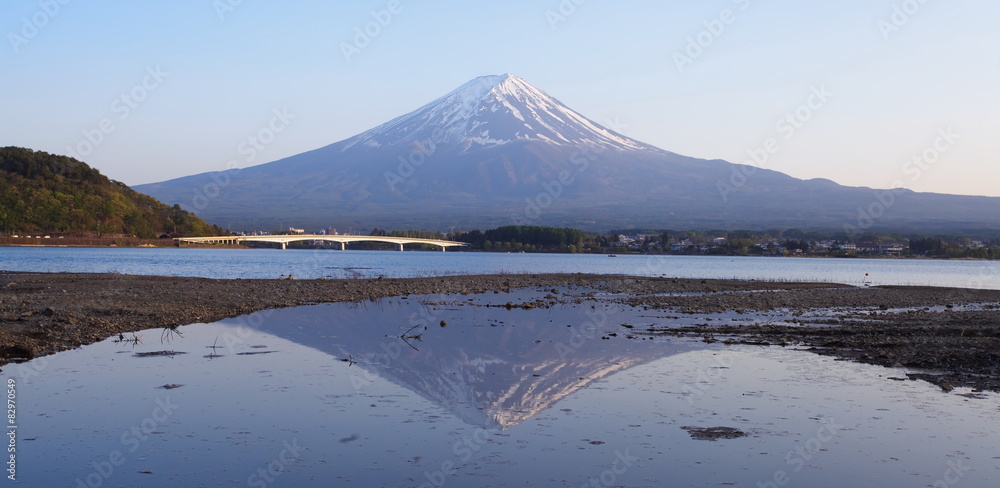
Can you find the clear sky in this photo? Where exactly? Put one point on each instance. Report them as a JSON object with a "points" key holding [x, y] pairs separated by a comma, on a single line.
{"points": [[147, 91]]}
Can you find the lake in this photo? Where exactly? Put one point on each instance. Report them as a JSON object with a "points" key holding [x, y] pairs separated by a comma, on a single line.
{"points": [[383, 393], [272, 263]]}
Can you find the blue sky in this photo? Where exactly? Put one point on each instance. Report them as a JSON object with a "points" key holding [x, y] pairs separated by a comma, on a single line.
{"points": [[147, 91]]}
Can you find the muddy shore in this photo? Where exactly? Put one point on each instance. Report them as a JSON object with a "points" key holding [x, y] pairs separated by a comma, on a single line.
{"points": [[953, 333]]}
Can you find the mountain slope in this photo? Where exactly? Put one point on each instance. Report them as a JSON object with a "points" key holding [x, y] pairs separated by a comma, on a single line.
{"points": [[41, 192], [498, 151]]}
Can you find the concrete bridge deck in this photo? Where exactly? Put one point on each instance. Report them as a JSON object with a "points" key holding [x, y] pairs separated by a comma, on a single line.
{"points": [[342, 239]]}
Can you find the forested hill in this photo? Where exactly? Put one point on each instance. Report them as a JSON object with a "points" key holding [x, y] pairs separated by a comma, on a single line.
{"points": [[42, 192]]}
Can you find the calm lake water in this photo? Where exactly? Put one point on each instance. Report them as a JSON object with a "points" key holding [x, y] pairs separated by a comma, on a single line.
{"points": [[380, 394], [268, 263]]}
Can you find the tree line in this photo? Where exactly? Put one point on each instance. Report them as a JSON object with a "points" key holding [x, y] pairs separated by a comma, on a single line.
{"points": [[528, 238], [46, 193], [523, 238]]}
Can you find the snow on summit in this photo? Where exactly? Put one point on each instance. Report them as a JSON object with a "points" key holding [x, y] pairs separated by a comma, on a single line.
{"points": [[490, 111]]}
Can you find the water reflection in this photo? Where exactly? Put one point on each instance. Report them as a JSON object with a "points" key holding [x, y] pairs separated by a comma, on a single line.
{"points": [[471, 391], [491, 366]]}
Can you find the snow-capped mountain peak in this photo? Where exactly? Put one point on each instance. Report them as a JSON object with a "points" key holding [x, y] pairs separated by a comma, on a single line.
{"points": [[498, 151], [490, 111]]}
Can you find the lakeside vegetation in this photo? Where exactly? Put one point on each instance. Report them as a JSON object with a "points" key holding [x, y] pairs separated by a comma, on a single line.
{"points": [[792, 242], [42, 193], [53, 200]]}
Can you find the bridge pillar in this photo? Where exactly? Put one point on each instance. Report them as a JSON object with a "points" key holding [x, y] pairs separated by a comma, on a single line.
{"points": [[342, 246], [284, 245], [443, 248], [400, 246]]}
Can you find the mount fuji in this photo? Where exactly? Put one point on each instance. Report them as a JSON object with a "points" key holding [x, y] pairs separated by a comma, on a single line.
{"points": [[498, 151]]}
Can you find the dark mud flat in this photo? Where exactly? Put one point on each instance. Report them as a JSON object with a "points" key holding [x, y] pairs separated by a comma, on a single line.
{"points": [[920, 327], [43, 313], [953, 332]]}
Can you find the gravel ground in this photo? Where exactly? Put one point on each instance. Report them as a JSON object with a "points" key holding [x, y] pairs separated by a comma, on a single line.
{"points": [[44, 313]]}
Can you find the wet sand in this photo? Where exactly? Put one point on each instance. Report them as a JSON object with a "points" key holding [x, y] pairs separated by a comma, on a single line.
{"points": [[916, 327]]}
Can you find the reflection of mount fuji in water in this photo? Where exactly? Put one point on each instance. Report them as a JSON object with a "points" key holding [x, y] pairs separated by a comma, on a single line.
{"points": [[492, 367]]}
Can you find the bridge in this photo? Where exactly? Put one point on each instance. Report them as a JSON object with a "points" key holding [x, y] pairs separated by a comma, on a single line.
{"points": [[342, 239]]}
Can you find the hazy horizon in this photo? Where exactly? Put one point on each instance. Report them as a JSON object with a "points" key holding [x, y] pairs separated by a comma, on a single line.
{"points": [[147, 93]]}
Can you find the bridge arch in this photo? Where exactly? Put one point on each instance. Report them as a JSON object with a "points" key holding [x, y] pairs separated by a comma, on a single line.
{"points": [[342, 239]]}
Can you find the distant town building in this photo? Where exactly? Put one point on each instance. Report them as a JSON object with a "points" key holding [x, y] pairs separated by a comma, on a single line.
{"points": [[876, 249], [681, 245], [867, 248], [893, 250]]}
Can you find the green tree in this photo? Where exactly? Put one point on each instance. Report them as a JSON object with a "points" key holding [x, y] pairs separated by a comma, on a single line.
{"points": [[41, 192]]}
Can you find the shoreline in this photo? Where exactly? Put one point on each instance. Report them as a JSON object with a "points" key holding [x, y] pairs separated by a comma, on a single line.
{"points": [[916, 327], [160, 245]]}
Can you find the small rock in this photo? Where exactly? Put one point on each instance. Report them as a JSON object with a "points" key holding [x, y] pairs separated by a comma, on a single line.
{"points": [[714, 433]]}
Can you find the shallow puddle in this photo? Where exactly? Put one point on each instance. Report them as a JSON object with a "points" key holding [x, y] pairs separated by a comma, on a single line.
{"points": [[510, 389]]}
